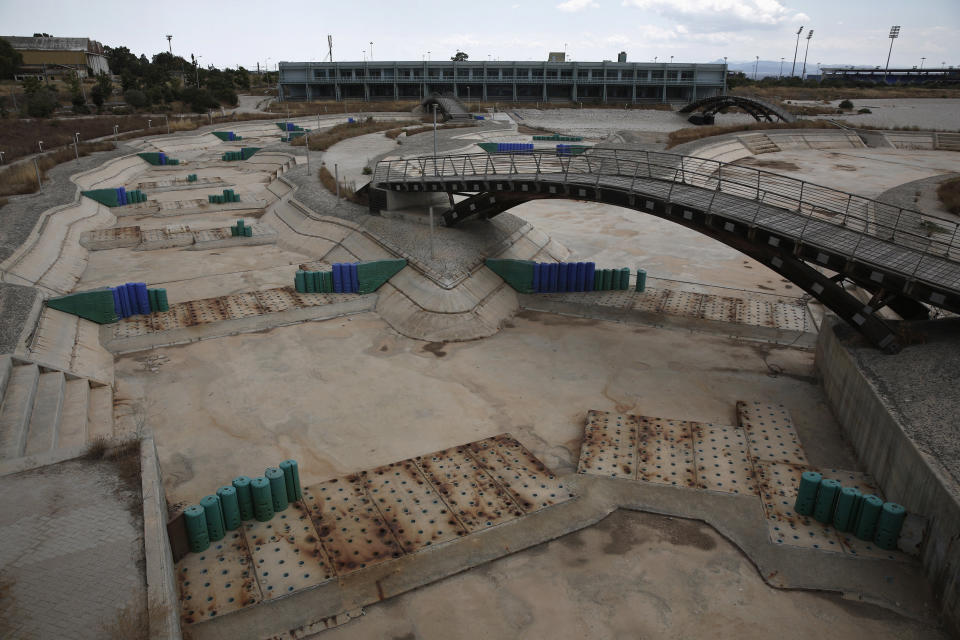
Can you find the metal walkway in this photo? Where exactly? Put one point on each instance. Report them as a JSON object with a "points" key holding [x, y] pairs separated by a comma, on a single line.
{"points": [[759, 109], [906, 259], [449, 106]]}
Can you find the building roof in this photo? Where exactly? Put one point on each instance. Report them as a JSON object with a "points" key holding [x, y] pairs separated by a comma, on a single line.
{"points": [[54, 44]]}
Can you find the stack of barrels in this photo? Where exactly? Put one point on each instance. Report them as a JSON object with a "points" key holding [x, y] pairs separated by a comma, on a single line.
{"points": [[244, 499], [849, 511]]}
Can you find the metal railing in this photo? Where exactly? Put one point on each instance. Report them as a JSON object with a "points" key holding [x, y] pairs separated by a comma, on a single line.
{"points": [[653, 173]]}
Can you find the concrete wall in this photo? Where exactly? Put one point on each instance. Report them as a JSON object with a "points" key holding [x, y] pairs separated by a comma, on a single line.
{"points": [[905, 474]]}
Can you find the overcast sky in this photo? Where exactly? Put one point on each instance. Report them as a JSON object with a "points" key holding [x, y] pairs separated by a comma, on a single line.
{"points": [[244, 32]]}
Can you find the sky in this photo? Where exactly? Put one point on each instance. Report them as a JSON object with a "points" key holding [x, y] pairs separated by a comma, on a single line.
{"points": [[245, 32]]}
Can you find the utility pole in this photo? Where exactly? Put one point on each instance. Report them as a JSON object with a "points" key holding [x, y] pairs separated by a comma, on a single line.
{"points": [[793, 71], [894, 34], [803, 75]]}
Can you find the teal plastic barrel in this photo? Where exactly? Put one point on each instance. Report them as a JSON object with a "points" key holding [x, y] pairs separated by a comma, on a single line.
{"points": [[278, 488], [230, 507], [607, 279], [889, 524], [614, 279], [641, 280], [299, 281], [244, 497], [197, 537], [262, 499], [845, 514], [291, 476], [807, 493], [211, 509], [826, 500], [866, 525], [625, 278]]}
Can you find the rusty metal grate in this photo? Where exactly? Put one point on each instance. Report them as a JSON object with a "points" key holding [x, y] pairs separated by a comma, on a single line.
{"points": [[354, 522], [770, 432], [217, 581], [723, 459], [665, 452], [609, 445]]}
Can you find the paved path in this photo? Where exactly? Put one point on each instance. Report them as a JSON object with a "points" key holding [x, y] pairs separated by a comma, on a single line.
{"points": [[71, 556]]}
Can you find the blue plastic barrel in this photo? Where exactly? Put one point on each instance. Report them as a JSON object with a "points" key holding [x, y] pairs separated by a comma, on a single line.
{"points": [[354, 279], [554, 274], [562, 277], [124, 301], [581, 275], [143, 298], [588, 273], [536, 277], [117, 309], [338, 278]]}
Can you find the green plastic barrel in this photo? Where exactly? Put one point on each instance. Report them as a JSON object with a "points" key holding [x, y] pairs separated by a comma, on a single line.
{"points": [[278, 488], [291, 475], [240, 223], [196, 521], [614, 279], [244, 497], [234, 232], [866, 525], [607, 279], [624, 278], [248, 232], [807, 493], [230, 507], [262, 499], [845, 515], [211, 509], [826, 500], [327, 281], [299, 282], [889, 524]]}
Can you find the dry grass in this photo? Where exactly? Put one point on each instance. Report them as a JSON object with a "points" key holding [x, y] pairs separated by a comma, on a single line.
{"points": [[18, 137], [507, 106], [949, 194], [810, 110], [123, 453], [839, 93], [323, 140], [22, 177], [328, 181], [393, 134], [332, 106], [689, 134], [131, 623]]}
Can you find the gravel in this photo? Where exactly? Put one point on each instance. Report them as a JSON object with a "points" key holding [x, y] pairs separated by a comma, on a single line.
{"points": [[20, 214], [15, 304], [601, 123], [905, 195]]}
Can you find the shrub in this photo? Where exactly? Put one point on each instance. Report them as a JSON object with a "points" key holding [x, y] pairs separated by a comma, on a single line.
{"points": [[135, 98], [864, 110], [846, 104], [42, 103], [949, 194], [367, 171]]}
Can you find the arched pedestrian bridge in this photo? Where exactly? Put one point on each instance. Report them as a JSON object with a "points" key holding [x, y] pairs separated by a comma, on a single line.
{"points": [[759, 109], [814, 236], [449, 107]]}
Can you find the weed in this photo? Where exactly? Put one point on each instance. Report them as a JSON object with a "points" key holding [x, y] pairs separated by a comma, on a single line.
{"points": [[846, 104], [131, 623], [949, 194], [325, 139], [22, 177]]}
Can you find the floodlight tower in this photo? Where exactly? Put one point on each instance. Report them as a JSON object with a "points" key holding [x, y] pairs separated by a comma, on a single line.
{"points": [[170, 43], [803, 74], [894, 34], [793, 70]]}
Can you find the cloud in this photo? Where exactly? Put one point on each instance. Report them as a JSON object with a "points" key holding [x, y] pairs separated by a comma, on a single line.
{"points": [[726, 14], [571, 6]]}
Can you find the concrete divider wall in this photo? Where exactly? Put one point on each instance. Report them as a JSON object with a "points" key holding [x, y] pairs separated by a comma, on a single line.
{"points": [[905, 474]]}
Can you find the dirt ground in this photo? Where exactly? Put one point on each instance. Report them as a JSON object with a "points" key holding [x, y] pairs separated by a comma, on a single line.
{"points": [[634, 575]]}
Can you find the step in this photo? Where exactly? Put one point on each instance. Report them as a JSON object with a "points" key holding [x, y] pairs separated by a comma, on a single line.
{"points": [[73, 421], [100, 413], [47, 410], [16, 410], [6, 365]]}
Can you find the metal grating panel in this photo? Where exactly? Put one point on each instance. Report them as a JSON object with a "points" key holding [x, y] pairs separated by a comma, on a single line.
{"points": [[528, 481], [286, 551], [477, 501], [721, 308], [609, 445], [723, 459], [683, 303], [204, 311], [758, 313], [651, 300], [413, 509], [350, 527], [174, 318], [277, 300], [242, 305], [770, 432], [665, 452], [217, 581], [790, 316], [778, 482]]}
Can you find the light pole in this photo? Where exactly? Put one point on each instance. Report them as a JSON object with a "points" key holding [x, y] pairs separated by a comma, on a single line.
{"points": [[371, 51], [654, 59], [756, 65], [921, 63], [196, 66], [671, 59], [781, 69], [793, 70], [894, 34], [170, 43], [40, 142], [803, 76]]}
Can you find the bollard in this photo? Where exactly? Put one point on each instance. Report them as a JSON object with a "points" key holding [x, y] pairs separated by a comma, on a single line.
{"points": [[291, 476], [230, 507], [244, 497], [262, 499], [196, 523], [845, 514], [826, 500], [211, 510], [278, 488], [807, 493], [866, 524]]}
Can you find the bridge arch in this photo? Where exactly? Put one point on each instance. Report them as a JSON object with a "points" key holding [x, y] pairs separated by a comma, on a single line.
{"points": [[759, 109], [814, 236]]}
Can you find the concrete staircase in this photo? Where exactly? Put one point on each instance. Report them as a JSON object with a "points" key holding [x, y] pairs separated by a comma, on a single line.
{"points": [[45, 410], [759, 143]]}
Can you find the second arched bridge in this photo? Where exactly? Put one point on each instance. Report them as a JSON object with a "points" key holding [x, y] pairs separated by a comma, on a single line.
{"points": [[815, 236]]}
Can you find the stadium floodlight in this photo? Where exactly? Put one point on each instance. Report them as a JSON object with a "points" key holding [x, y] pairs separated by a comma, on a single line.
{"points": [[894, 34], [793, 70], [803, 74]]}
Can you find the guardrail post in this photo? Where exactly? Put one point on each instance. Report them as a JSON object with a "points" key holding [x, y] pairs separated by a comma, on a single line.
{"points": [[800, 202], [846, 211], [649, 170]]}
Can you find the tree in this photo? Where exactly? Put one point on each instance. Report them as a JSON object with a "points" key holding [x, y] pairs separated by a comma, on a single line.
{"points": [[42, 35], [135, 98], [460, 56], [42, 102], [10, 60]]}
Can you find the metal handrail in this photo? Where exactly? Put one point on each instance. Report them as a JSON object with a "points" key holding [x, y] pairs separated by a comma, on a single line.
{"points": [[938, 236]]}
